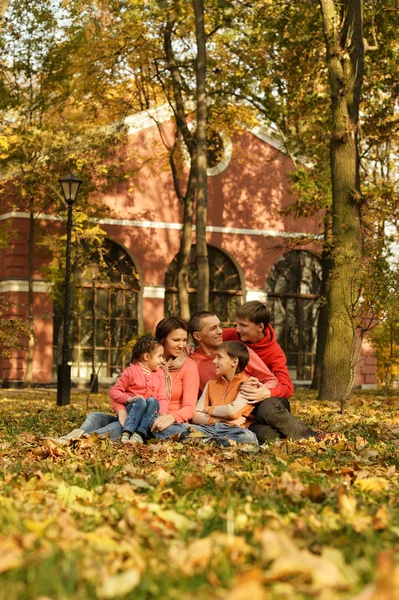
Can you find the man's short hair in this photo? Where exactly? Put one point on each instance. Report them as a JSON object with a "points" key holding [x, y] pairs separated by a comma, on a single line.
{"points": [[236, 350], [254, 311], [195, 323]]}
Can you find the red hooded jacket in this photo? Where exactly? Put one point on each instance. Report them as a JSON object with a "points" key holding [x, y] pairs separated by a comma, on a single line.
{"points": [[269, 350]]}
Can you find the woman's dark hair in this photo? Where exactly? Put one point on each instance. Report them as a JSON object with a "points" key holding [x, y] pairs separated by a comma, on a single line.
{"points": [[169, 324], [145, 344], [236, 350]]}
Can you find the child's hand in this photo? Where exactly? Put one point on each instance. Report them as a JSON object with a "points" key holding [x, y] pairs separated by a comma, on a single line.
{"points": [[238, 421]]}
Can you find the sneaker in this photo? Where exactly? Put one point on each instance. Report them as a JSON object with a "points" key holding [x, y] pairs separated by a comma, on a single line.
{"points": [[136, 439], [184, 435], [75, 434], [125, 437]]}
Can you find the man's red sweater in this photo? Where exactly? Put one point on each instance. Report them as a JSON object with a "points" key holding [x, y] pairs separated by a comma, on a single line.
{"points": [[269, 350]]}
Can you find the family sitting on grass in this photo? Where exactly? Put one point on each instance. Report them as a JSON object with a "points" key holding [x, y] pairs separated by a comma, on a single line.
{"points": [[240, 375]]}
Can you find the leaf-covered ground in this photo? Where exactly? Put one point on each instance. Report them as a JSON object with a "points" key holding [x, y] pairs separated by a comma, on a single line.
{"points": [[176, 520]]}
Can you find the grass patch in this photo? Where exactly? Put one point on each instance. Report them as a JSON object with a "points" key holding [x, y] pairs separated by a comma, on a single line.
{"points": [[94, 519]]}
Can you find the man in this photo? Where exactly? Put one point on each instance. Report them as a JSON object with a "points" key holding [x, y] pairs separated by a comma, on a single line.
{"points": [[273, 416], [206, 331]]}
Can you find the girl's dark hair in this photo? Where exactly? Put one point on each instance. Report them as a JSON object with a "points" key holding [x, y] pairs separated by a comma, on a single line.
{"points": [[236, 350], [147, 343], [169, 324]]}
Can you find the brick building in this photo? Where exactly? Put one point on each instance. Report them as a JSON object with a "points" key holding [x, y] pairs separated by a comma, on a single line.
{"points": [[254, 253]]}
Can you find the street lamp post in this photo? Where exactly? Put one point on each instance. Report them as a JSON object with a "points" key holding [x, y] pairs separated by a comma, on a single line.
{"points": [[70, 187]]}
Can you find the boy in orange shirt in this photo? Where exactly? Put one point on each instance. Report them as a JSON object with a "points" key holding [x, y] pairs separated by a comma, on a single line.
{"points": [[221, 411]]}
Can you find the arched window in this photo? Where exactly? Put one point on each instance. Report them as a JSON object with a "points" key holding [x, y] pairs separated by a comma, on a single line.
{"points": [[293, 290], [105, 301], [225, 292]]}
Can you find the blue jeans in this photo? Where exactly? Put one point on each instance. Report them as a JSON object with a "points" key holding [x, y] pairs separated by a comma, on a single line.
{"points": [[103, 424], [141, 415], [241, 435], [174, 429]]}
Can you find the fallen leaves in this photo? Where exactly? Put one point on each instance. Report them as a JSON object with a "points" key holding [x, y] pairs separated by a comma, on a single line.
{"points": [[119, 585], [192, 557], [372, 484], [329, 570], [11, 554], [293, 519]]}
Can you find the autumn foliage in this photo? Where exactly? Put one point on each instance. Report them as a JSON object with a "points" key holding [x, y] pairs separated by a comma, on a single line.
{"points": [[92, 519]]}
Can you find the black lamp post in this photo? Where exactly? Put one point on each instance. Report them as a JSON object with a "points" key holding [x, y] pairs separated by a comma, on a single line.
{"points": [[70, 187]]}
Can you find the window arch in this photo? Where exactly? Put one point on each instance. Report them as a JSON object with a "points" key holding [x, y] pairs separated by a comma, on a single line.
{"points": [[225, 289], [293, 291], [105, 301]]}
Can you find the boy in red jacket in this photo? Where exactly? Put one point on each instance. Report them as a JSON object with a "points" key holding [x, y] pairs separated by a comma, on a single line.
{"points": [[273, 415], [206, 331]]}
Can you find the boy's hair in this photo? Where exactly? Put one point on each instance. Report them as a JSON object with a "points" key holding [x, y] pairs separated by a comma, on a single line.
{"points": [[145, 344], [255, 311], [195, 323], [236, 350], [169, 324]]}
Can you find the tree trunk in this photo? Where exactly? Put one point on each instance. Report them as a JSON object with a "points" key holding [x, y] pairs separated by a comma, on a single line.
{"points": [[184, 255], [326, 266], [31, 339], [345, 57], [202, 195], [187, 199]]}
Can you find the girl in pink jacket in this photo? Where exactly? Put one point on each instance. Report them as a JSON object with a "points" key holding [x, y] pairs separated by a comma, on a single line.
{"points": [[140, 393]]}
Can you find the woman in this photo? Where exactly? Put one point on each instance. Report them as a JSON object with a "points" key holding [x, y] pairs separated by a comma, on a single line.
{"points": [[181, 378], [182, 384]]}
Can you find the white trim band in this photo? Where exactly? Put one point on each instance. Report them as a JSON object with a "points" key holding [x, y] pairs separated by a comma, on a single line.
{"points": [[266, 135], [154, 291], [22, 285], [256, 295], [148, 118], [175, 226]]}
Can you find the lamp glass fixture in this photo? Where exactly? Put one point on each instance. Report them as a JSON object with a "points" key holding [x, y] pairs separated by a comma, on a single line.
{"points": [[70, 185]]}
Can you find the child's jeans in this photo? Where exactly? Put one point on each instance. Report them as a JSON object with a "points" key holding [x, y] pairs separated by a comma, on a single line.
{"points": [[217, 431], [174, 429], [241, 435], [141, 414]]}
